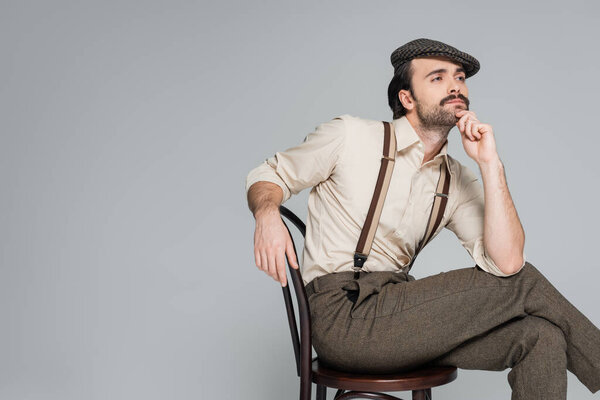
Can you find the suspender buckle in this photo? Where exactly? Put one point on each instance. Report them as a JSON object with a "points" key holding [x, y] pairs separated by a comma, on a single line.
{"points": [[442, 195], [359, 260]]}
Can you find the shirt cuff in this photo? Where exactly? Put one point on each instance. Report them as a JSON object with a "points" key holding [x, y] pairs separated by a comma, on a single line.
{"points": [[264, 172]]}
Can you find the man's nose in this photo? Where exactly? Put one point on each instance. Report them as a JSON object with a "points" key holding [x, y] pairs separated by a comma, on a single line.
{"points": [[454, 88]]}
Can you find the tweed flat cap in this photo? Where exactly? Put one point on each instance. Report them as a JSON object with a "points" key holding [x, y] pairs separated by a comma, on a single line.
{"points": [[427, 47]]}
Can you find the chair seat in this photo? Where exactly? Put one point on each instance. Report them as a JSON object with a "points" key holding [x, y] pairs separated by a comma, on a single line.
{"points": [[422, 378]]}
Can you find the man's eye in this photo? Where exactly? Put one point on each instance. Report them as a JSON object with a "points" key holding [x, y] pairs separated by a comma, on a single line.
{"points": [[437, 77], [462, 78]]}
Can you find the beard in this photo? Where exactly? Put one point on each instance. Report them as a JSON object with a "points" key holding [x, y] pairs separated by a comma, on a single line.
{"points": [[438, 116]]}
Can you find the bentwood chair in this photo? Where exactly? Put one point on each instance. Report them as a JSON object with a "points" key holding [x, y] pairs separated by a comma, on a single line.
{"points": [[348, 385]]}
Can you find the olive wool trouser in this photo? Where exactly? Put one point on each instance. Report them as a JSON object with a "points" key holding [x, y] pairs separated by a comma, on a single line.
{"points": [[468, 318]]}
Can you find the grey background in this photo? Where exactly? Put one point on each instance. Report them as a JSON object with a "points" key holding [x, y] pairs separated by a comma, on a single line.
{"points": [[127, 131]]}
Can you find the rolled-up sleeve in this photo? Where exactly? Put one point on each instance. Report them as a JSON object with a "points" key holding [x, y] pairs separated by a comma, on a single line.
{"points": [[467, 222], [306, 164]]}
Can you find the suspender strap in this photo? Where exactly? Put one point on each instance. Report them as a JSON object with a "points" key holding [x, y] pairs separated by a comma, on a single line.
{"points": [[365, 241], [440, 199]]}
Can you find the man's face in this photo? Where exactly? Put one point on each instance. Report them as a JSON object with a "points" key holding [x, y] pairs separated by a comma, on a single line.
{"points": [[438, 91]]}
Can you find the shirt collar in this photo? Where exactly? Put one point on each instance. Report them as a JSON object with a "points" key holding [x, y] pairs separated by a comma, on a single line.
{"points": [[406, 136]]}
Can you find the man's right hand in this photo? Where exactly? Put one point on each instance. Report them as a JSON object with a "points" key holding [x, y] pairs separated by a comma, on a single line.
{"points": [[272, 242]]}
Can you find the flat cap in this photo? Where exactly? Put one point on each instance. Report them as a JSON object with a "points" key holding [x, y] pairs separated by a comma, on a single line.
{"points": [[427, 47]]}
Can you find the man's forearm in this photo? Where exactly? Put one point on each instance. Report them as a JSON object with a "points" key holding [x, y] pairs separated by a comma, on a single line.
{"points": [[264, 197], [503, 235]]}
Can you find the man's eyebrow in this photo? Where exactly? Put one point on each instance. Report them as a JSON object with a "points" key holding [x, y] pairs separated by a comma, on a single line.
{"points": [[442, 70]]}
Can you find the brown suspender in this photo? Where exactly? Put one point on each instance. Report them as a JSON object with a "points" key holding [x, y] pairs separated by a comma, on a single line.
{"points": [[440, 199], [365, 241], [363, 248]]}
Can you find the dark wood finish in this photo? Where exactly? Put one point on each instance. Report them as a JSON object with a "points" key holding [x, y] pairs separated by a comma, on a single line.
{"points": [[422, 378], [424, 394], [366, 395], [321, 392], [349, 385], [289, 307]]}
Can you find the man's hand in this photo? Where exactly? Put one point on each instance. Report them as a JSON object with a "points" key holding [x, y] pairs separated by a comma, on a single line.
{"points": [[272, 242], [477, 138]]}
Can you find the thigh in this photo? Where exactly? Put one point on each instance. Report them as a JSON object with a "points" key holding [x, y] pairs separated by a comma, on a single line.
{"points": [[452, 283], [502, 347]]}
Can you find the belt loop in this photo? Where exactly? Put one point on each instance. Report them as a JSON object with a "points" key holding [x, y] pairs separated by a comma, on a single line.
{"points": [[316, 284]]}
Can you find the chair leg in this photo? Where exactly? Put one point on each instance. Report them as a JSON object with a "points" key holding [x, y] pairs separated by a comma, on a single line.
{"points": [[321, 392], [423, 394]]}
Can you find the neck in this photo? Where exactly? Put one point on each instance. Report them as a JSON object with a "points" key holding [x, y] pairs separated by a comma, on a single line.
{"points": [[433, 137]]}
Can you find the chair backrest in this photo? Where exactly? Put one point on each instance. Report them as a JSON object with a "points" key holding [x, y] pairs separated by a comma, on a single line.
{"points": [[301, 338]]}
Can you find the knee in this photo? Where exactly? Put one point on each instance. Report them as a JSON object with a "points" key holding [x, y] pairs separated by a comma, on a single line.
{"points": [[548, 335], [537, 337]]}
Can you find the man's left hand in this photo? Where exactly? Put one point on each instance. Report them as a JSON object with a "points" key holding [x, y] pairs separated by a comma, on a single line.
{"points": [[477, 138]]}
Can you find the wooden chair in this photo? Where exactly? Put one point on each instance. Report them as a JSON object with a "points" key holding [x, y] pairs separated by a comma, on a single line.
{"points": [[349, 385]]}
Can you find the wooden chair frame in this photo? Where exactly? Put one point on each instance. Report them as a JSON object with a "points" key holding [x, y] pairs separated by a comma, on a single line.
{"points": [[350, 386]]}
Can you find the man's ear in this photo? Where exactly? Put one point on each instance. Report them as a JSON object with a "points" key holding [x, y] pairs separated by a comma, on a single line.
{"points": [[405, 97]]}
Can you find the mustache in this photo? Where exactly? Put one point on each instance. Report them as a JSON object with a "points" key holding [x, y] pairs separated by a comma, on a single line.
{"points": [[450, 98]]}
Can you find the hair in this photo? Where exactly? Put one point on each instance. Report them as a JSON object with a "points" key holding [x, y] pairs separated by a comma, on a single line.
{"points": [[401, 81]]}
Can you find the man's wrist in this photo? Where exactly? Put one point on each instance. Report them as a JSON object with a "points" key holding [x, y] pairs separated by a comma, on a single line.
{"points": [[267, 211], [492, 164]]}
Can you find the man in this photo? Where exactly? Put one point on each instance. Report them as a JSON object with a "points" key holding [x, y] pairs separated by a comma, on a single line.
{"points": [[501, 313]]}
